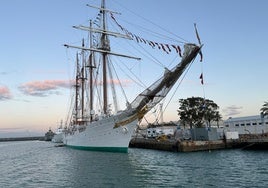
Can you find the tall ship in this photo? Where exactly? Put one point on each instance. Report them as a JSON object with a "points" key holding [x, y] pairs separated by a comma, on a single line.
{"points": [[93, 122]]}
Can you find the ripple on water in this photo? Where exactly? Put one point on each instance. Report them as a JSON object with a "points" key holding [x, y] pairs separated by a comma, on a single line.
{"points": [[40, 164]]}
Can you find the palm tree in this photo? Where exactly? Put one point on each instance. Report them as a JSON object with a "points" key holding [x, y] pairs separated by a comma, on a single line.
{"points": [[264, 109]]}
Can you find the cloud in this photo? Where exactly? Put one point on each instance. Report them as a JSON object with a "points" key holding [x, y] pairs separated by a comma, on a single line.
{"points": [[49, 87], [4, 93], [232, 110], [43, 88]]}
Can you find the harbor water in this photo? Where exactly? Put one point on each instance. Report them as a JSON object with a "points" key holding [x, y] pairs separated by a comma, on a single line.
{"points": [[41, 164]]}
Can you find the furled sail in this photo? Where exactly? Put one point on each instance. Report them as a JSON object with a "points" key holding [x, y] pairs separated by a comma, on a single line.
{"points": [[159, 89]]}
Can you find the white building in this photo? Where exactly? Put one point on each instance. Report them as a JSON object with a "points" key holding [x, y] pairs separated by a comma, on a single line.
{"points": [[247, 125], [158, 131]]}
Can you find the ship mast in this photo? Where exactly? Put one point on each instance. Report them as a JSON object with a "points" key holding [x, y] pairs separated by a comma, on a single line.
{"points": [[83, 82], [91, 66], [105, 45], [76, 88], [104, 49]]}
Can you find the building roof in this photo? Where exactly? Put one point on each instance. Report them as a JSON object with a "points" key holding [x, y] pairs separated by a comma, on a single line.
{"points": [[245, 118]]}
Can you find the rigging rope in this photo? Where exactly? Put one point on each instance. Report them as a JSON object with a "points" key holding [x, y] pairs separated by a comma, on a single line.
{"points": [[140, 83], [71, 98], [146, 54], [96, 84], [113, 87], [161, 46], [123, 91], [186, 71], [185, 41], [202, 81], [201, 59]]}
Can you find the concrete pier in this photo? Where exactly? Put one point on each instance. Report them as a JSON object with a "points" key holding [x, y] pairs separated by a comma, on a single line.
{"points": [[166, 145], [178, 146], [254, 142]]}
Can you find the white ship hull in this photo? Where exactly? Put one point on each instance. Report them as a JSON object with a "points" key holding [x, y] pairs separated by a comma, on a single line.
{"points": [[102, 136], [103, 131]]}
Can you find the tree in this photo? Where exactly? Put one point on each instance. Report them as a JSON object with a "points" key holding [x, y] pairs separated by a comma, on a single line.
{"points": [[197, 111], [211, 112], [264, 109]]}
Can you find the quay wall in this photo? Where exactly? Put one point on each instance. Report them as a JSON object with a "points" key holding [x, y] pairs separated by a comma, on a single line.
{"points": [[191, 146], [166, 145], [178, 146]]}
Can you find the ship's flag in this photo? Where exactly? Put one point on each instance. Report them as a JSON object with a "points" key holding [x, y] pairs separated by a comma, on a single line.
{"points": [[201, 78], [165, 47], [178, 49], [201, 56], [168, 47]]}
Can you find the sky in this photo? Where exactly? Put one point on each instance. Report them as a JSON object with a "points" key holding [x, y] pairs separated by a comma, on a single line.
{"points": [[36, 68]]}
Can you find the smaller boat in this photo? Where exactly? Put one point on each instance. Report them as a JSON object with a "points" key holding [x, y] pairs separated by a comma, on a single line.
{"points": [[49, 135], [58, 136]]}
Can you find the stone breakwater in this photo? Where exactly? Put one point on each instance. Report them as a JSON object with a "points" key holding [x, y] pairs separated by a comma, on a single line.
{"points": [[21, 139]]}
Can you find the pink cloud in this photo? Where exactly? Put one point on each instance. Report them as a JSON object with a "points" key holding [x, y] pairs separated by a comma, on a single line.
{"points": [[4, 93], [48, 87], [44, 88]]}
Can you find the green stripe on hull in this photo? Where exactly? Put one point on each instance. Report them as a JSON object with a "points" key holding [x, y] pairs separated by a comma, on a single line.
{"points": [[106, 149]]}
